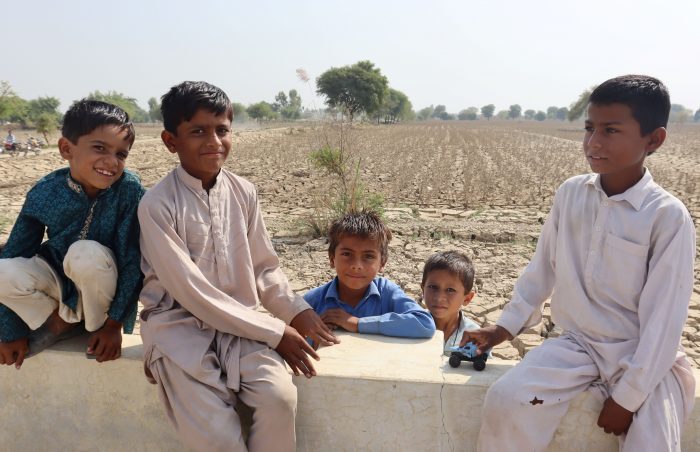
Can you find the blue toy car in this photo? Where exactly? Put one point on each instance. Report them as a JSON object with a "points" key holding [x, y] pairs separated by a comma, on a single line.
{"points": [[468, 353]]}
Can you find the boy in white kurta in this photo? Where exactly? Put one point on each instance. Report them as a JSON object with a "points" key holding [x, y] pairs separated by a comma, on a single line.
{"points": [[207, 260], [616, 254]]}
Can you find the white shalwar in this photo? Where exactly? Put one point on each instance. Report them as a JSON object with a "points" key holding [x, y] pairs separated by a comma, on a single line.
{"points": [[619, 270]]}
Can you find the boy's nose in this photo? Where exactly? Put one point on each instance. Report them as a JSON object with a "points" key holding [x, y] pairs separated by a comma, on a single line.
{"points": [[592, 141]]}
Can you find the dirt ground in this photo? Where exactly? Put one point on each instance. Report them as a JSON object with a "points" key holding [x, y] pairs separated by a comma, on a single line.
{"points": [[480, 187]]}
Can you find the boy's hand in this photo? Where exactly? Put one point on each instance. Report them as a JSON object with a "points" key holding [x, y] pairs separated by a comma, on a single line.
{"points": [[106, 343], [295, 350], [310, 325], [14, 352], [338, 317], [614, 418], [486, 338]]}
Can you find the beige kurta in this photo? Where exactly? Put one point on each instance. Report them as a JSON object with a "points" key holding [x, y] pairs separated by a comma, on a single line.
{"points": [[207, 261]]}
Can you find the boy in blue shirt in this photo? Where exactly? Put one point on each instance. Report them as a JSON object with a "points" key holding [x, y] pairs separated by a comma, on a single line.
{"points": [[448, 278], [357, 300], [88, 270]]}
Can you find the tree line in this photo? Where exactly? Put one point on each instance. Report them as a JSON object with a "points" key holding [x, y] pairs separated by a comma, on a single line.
{"points": [[357, 91]]}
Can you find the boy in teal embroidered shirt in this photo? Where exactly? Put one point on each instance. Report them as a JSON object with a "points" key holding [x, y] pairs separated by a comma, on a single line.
{"points": [[88, 269]]}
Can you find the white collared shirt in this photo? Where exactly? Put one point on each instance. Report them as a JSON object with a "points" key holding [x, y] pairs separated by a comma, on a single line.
{"points": [[619, 270]]}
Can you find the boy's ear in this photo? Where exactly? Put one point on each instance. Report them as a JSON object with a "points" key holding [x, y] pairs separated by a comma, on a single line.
{"points": [[65, 147], [655, 140], [468, 297], [331, 259], [169, 141]]}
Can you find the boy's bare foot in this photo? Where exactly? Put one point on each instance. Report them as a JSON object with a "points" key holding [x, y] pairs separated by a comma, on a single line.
{"points": [[55, 329], [57, 325]]}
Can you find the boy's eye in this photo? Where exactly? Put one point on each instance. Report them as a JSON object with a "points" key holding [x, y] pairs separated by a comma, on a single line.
{"points": [[99, 148], [223, 131], [122, 155], [588, 128], [451, 290], [611, 130], [432, 287]]}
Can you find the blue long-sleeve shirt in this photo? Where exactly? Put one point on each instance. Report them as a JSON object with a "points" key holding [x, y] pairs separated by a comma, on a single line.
{"points": [[384, 309], [57, 205]]}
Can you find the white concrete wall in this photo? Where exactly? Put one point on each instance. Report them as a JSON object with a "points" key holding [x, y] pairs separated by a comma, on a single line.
{"points": [[372, 394]]}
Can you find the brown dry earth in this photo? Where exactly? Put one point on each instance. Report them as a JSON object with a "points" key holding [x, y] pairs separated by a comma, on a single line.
{"points": [[483, 188]]}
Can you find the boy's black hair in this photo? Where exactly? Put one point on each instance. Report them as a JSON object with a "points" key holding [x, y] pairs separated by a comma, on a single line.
{"points": [[86, 115], [365, 224], [182, 102], [646, 96], [454, 262]]}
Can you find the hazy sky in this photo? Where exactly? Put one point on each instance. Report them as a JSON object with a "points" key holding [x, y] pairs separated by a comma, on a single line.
{"points": [[457, 53]]}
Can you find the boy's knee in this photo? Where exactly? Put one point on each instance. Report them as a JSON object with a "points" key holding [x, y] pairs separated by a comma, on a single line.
{"points": [[86, 257], [15, 280], [280, 399]]}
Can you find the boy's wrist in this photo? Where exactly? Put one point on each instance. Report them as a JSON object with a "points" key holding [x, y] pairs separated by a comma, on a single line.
{"points": [[112, 324]]}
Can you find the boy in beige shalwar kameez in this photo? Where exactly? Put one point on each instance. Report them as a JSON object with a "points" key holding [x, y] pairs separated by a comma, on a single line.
{"points": [[207, 260]]}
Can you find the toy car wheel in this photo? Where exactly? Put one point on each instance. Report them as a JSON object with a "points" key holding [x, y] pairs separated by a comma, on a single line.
{"points": [[480, 365], [455, 361]]}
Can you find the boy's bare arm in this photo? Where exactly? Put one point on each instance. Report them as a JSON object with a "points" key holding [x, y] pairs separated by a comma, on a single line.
{"points": [[14, 352], [106, 343], [486, 338]]}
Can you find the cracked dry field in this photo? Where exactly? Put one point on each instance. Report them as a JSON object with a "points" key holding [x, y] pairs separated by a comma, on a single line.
{"points": [[480, 187]]}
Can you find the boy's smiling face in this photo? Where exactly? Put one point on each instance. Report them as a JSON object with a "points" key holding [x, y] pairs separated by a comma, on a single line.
{"points": [[97, 160], [356, 260], [202, 144], [444, 294], [614, 146]]}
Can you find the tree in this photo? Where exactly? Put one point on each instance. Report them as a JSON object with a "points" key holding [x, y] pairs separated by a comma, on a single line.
{"points": [[540, 116], [357, 88], [469, 114], [680, 114], [128, 104], [503, 114], [562, 113], [154, 110], [261, 111], [552, 112], [396, 107], [425, 113], [280, 101], [239, 112], [46, 123], [40, 105], [529, 114], [439, 111], [696, 118], [578, 107], [12, 107], [291, 108], [514, 112], [487, 111]]}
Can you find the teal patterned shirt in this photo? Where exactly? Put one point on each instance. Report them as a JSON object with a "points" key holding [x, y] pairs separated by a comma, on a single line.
{"points": [[58, 206]]}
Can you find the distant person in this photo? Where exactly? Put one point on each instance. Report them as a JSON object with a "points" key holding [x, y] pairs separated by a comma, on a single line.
{"points": [[86, 274], [207, 261], [10, 141], [358, 301], [616, 254], [448, 278]]}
